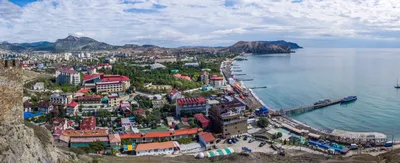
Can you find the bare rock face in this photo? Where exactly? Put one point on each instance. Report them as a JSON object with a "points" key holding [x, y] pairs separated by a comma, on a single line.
{"points": [[18, 142]]}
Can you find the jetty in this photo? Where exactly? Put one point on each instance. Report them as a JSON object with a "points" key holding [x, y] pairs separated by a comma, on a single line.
{"points": [[303, 109], [244, 79], [236, 70], [258, 87], [238, 74]]}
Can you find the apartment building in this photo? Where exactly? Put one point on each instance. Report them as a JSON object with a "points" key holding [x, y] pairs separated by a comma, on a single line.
{"points": [[60, 100], [68, 76], [191, 106], [227, 120]]}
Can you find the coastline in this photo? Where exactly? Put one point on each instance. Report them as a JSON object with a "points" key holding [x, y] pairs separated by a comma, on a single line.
{"points": [[300, 125]]}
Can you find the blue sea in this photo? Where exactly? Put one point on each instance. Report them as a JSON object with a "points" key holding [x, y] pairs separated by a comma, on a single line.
{"points": [[311, 74]]}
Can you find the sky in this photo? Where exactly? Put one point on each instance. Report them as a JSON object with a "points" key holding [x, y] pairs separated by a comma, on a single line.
{"points": [[173, 23]]}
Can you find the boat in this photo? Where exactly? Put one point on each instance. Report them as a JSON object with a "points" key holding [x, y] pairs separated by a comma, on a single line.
{"points": [[397, 86], [348, 99], [322, 101]]}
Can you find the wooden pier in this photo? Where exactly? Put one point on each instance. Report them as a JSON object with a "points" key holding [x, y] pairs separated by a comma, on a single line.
{"points": [[303, 109], [238, 74], [236, 70], [258, 87]]}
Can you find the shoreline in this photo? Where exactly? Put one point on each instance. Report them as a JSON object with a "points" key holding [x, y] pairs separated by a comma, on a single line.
{"points": [[300, 125]]}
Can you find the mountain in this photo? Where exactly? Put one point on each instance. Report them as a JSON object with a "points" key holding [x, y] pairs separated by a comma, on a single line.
{"points": [[12, 47], [72, 43], [258, 47], [282, 42]]}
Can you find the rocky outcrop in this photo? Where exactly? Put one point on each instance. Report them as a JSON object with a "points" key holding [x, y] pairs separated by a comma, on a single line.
{"points": [[257, 47], [19, 142], [72, 43]]}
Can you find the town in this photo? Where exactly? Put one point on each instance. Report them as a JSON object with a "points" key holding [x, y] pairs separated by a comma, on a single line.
{"points": [[127, 104]]}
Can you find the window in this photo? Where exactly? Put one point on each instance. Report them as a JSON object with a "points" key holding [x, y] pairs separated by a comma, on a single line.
{"points": [[238, 131], [226, 129]]}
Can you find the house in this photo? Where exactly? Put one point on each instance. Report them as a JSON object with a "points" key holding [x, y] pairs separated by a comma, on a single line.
{"points": [[115, 141], [114, 100], [148, 137], [126, 122], [194, 64], [204, 77], [45, 107], [164, 148], [204, 122], [60, 122], [72, 108], [88, 123], [27, 106], [39, 86], [139, 111], [60, 99], [190, 106], [91, 103], [157, 102], [206, 139], [182, 125], [182, 77], [174, 94], [83, 138]]}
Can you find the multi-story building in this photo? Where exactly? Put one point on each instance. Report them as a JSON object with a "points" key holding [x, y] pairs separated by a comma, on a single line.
{"points": [[91, 103], [191, 106], [60, 100], [68, 76], [165, 59], [72, 108], [108, 87], [204, 77], [228, 121], [216, 81], [114, 100], [88, 123]]}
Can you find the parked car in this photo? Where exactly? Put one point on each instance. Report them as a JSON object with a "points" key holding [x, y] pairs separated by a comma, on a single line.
{"points": [[245, 138], [251, 140], [274, 147], [218, 140], [262, 144]]}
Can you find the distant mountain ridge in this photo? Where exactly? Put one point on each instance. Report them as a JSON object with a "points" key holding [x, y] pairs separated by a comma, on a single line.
{"points": [[73, 43]]}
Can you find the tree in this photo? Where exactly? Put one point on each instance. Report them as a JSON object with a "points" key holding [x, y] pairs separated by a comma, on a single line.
{"points": [[262, 122], [184, 141], [97, 146], [278, 135]]}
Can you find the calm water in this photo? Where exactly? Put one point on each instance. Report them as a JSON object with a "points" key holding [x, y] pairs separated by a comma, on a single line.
{"points": [[308, 75]]}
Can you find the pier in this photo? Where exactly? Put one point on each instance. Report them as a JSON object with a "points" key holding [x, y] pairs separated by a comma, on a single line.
{"points": [[244, 79], [238, 74], [236, 70], [303, 109], [258, 87]]}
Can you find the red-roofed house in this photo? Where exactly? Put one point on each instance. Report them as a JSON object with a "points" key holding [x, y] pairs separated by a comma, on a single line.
{"points": [[206, 139], [72, 108], [27, 106], [92, 70], [139, 111], [216, 81], [174, 94], [61, 122], [190, 106], [204, 77], [159, 136], [88, 123], [105, 66], [115, 141], [202, 120], [182, 77]]}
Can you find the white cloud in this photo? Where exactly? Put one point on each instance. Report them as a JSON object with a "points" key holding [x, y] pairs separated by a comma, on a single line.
{"points": [[199, 22]]}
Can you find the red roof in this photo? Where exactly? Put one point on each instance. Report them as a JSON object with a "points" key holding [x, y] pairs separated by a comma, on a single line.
{"points": [[159, 134], [94, 97], [84, 90], [173, 92], [202, 119], [44, 104], [191, 101], [139, 111], [27, 104], [215, 77], [108, 78], [208, 137], [90, 77], [72, 104], [203, 73], [88, 123], [69, 71]]}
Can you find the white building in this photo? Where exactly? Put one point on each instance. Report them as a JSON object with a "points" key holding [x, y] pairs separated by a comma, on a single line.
{"points": [[57, 99], [68, 76], [164, 148], [38, 86]]}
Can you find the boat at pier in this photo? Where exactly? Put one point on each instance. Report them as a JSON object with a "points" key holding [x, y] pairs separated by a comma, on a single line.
{"points": [[348, 99], [323, 101]]}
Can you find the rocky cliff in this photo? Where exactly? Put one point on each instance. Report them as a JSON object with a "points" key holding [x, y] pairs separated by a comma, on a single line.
{"points": [[19, 142], [257, 47]]}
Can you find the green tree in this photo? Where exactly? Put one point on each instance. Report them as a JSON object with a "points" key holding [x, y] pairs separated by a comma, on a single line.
{"points": [[262, 122], [97, 146], [279, 134]]}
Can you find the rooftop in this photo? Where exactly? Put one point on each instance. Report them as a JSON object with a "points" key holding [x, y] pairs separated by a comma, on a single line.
{"points": [[215, 77], [109, 78], [207, 136], [191, 101], [85, 133], [163, 145], [160, 134], [89, 139], [72, 104], [114, 138], [88, 123]]}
